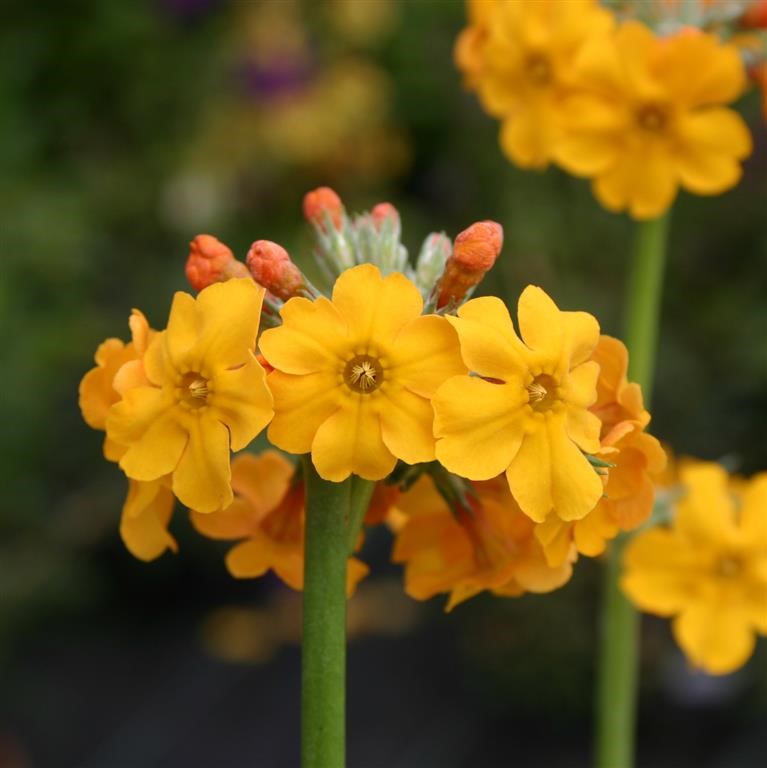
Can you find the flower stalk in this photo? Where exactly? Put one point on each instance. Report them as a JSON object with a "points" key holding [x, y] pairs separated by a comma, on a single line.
{"points": [[618, 660]]}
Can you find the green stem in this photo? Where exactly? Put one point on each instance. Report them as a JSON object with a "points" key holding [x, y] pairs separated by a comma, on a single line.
{"points": [[619, 658], [334, 513]]}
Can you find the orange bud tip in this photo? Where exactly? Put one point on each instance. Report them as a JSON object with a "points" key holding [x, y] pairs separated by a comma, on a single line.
{"points": [[209, 261], [477, 247], [322, 202], [383, 212], [270, 265]]}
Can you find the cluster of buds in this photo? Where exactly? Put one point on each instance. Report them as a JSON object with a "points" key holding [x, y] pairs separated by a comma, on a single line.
{"points": [[445, 273]]}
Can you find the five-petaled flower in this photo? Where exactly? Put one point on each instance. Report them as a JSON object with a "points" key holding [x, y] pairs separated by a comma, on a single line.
{"points": [[523, 410], [708, 570], [353, 375], [205, 393]]}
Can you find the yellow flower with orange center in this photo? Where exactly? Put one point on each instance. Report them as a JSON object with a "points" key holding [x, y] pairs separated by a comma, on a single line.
{"points": [[649, 117], [518, 56], [205, 394], [523, 410], [268, 515], [708, 570], [489, 545], [353, 375]]}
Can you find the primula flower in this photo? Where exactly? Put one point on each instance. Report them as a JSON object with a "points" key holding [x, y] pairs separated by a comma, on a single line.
{"points": [[205, 394], [651, 118], [354, 375], [708, 570], [524, 408], [465, 551], [268, 514], [519, 59]]}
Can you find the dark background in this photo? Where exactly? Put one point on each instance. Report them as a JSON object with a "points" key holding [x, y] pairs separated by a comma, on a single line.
{"points": [[128, 127]]}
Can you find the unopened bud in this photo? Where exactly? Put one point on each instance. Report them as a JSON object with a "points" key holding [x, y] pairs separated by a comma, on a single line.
{"points": [[210, 261], [435, 252], [271, 267], [384, 212], [756, 15], [474, 253], [323, 203]]}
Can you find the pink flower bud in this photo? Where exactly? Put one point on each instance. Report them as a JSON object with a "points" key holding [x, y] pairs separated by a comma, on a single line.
{"points": [[321, 202], [270, 265], [210, 261], [382, 212], [474, 253]]}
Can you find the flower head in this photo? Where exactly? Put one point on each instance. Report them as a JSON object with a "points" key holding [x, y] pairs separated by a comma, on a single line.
{"points": [[267, 515], [708, 570], [489, 545], [205, 394], [650, 117], [353, 375], [524, 408], [519, 58]]}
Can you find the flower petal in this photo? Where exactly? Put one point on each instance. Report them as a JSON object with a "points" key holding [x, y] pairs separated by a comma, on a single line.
{"points": [[262, 480], [479, 425], [350, 441], [407, 422], [753, 513], [529, 137], [706, 514], [302, 404], [201, 479], [541, 324], [715, 637], [144, 521], [237, 521], [242, 401]]}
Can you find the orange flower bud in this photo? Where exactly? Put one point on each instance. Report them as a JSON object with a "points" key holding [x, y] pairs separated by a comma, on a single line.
{"points": [[382, 212], [474, 253], [271, 267], [210, 261], [756, 15], [320, 202]]}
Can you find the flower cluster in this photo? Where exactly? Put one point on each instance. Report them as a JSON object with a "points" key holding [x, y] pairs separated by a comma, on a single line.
{"points": [[498, 454], [640, 113], [708, 569]]}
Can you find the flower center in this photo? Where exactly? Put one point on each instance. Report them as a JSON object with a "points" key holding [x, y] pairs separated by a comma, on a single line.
{"points": [[363, 374], [538, 69], [542, 392], [194, 390], [729, 567], [652, 118]]}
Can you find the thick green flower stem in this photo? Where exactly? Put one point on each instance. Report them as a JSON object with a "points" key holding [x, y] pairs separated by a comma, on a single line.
{"points": [[334, 512], [619, 658]]}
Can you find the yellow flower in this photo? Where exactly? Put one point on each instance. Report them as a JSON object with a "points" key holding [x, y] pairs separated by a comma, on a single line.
{"points": [[353, 376], [708, 569], [524, 410], [145, 517], [651, 118], [465, 551], [205, 394], [268, 514], [519, 58]]}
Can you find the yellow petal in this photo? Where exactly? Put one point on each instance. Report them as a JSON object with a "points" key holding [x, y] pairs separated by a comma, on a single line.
{"points": [[479, 425], [407, 422], [715, 637], [706, 513], [144, 521], [201, 479], [425, 354], [242, 401], [250, 559], [710, 145], [375, 307], [350, 441], [537, 576], [313, 337], [753, 513], [541, 324], [489, 344], [237, 521], [583, 428], [581, 336], [592, 532], [529, 137], [261, 480], [302, 404], [660, 573]]}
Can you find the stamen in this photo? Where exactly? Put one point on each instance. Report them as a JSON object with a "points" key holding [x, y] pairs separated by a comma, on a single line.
{"points": [[536, 392], [363, 374], [542, 392], [193, 390]]}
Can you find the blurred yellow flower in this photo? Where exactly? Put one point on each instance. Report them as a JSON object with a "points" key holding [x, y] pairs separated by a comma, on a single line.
{"points": [[649, 117], [708, 570], [354, 375], [268, 513], [518, 56], [465, 551], [205, 394], [523, 410]]}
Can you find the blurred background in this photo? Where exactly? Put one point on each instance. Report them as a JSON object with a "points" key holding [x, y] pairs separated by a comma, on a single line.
{"points": [[128, 128]]}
